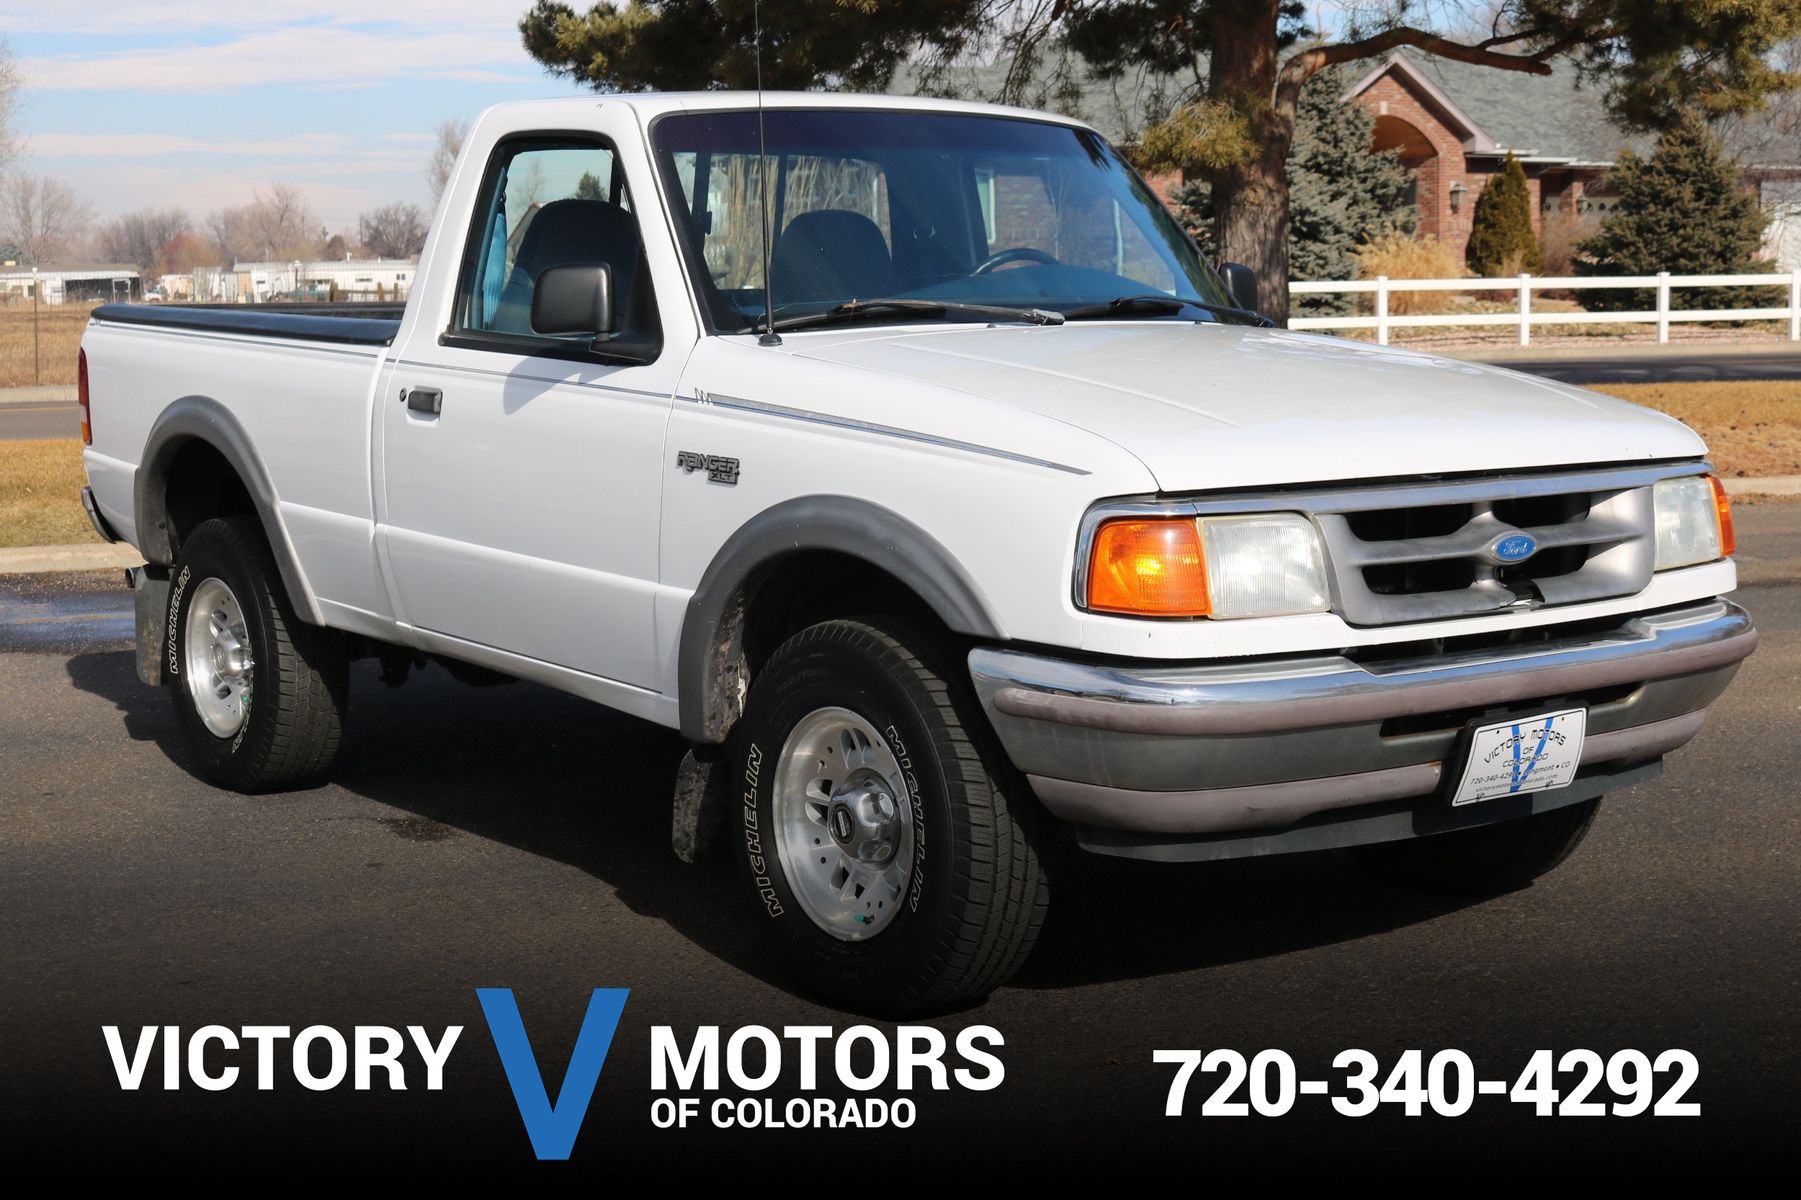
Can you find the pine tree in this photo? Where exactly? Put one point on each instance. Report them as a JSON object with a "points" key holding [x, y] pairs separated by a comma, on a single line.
{"points": [[1501, 238], [1194, 210], [1683, 211], [1344, 195]]}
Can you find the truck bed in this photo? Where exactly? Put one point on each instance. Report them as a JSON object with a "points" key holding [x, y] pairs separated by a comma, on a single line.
{"points": [[264, 321]]}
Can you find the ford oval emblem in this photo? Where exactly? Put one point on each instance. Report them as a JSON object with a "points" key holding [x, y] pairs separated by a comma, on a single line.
{"points": [[1512, 548]]}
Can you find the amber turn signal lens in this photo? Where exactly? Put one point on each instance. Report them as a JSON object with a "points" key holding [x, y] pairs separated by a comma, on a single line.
{"points": [[1149, 568], [81, 394], [1722, 508]]}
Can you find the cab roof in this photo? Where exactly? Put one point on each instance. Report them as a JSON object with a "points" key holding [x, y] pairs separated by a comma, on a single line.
{"points": [[648, 105]]}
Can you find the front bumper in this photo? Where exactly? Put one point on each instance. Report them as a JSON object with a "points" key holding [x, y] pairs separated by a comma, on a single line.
{"points": [[1229, 747]]}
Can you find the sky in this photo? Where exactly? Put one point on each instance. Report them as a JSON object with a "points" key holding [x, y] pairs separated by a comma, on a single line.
{"points": [[197, 103]]}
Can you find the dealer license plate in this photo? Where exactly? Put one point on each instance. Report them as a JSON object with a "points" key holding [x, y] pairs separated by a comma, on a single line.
{"points": [[1526, 754]]}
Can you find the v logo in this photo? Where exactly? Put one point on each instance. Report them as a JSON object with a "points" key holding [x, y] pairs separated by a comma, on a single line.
{"points": [[552, 1128]]}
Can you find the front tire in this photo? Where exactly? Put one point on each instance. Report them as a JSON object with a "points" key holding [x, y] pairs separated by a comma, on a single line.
{"points": [[888, 844], [260, 695], [1485, 861]]}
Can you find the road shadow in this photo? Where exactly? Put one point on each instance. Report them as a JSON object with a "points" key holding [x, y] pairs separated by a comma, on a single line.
{"points": [[145, 712], [563, 779]]}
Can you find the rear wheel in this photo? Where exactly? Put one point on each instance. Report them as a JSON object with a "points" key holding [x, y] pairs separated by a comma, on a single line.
{"points": [[887, 842], [1494, 858], [260, 695]]}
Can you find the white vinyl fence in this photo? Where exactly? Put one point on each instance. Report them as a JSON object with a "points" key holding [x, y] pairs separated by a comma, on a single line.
{"points": [[1523, 318]]}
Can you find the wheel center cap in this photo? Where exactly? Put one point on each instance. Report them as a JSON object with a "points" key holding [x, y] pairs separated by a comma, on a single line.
{"points": [[865, 823]]}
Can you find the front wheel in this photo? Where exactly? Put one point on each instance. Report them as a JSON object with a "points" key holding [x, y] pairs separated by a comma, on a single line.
{"points": [[1488, 860], [887, 843], [259, 695]]}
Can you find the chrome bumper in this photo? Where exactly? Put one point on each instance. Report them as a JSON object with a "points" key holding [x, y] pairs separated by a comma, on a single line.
{"points": [[1253, 745], [92, 508]]}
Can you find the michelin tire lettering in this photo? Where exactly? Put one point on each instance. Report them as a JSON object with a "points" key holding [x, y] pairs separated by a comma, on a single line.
{"points": [[753, 837], [915, 886], [175, 595]]}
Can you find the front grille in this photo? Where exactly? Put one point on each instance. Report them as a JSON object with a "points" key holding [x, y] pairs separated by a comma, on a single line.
{"points": [[1397, 556]]}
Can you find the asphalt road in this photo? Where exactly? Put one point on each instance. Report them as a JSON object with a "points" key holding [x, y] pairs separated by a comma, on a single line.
{"points": [[514, 837], [1702, 366], [39, 419]]}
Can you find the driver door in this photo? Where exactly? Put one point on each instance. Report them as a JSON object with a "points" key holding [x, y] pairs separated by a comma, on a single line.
{"points": [[521, 472]]}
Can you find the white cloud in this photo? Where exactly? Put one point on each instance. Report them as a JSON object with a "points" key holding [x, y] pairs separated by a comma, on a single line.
{"points": [[112, 17], [337, 190], [310, 55], [157, 145]]}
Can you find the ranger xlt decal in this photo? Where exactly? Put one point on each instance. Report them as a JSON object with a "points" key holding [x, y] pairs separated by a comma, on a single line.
{"points": [[718, 469]]}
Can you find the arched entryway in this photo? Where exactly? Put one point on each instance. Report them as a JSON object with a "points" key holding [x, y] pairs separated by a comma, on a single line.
{"points": [[1420, 156]]}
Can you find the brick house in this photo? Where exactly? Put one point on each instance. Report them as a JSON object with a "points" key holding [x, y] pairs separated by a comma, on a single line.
{"points": [[1453, 125]]}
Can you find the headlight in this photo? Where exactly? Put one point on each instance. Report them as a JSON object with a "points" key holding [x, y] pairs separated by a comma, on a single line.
{"points": [[1694, 521], [1264, 566], [1222, 567]]}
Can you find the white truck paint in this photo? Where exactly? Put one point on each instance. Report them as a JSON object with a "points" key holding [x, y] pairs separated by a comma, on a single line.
{"points": [[544, 521]]}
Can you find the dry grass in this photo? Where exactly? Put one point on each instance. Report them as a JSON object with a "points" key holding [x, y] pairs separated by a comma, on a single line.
{"points": [[59, 329], [1400, 256], [1752, 429], [40, 493]]}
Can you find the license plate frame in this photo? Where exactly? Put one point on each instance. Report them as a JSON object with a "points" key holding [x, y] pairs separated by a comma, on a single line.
{"points": [[1518, 755]]}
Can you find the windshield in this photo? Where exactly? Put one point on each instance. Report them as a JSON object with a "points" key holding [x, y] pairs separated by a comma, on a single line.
{"points": [[950, 208]]}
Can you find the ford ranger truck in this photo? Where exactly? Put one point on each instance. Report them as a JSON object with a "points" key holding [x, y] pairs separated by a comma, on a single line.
{"points": [[908, 458]]}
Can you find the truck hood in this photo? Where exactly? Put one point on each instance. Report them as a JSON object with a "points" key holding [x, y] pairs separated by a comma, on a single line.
{"points": [[1207, 406]]}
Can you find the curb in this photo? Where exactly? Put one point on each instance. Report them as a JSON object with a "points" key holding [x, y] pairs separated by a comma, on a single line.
{"points": [[38, 560]]}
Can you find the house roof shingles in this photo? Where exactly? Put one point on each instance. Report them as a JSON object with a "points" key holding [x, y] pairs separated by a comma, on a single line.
{"points": [[1557, 116]]}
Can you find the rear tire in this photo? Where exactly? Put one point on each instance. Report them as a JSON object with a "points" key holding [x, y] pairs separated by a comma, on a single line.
{"points": [[259, 694], [1485, 861], [889, 846]]}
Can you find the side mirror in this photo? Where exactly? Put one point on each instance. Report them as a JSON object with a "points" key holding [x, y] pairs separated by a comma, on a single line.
{"points": [[574, 298], [1241, 284]]}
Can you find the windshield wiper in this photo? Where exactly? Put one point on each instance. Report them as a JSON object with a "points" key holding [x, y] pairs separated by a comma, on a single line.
{"points": [[1155, 302], [857, 310]]}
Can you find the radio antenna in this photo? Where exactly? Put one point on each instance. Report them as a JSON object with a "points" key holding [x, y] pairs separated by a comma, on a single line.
{"points": [[770, 336]]}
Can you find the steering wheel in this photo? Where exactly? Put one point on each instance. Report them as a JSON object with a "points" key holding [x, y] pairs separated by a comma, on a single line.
{"points": [[1017, 254]]}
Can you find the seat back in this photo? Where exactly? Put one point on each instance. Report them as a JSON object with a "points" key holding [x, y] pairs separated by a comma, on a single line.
{"points": [[830, 254], [564, 232]]}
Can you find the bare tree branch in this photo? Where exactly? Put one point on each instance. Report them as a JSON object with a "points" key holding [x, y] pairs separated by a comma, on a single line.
{"points": [[43, 217]]}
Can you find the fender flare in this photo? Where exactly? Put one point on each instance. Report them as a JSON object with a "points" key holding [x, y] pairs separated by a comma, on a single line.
{"points": [[203, 419], [710, 671]]}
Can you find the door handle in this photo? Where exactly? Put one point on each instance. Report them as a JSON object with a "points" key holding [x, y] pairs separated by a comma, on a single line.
{"points": [[427, 400]]}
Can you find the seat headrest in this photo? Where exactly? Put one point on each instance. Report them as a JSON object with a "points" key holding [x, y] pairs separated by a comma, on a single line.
{"points": [[566, 231]]}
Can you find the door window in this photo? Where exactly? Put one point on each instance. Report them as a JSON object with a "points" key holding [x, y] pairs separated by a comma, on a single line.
{"points": [[547, 204]]}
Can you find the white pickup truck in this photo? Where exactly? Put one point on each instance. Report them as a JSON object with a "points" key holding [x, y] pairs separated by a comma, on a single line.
{"points": [[964, 516]]}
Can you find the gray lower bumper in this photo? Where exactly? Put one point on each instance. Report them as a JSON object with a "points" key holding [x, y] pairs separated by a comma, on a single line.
{"points": [[1201, 750]]}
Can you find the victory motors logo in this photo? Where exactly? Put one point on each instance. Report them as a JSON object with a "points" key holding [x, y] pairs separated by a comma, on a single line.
{"points": [[320, 1058], [552, 1127], [834, 1070]]}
